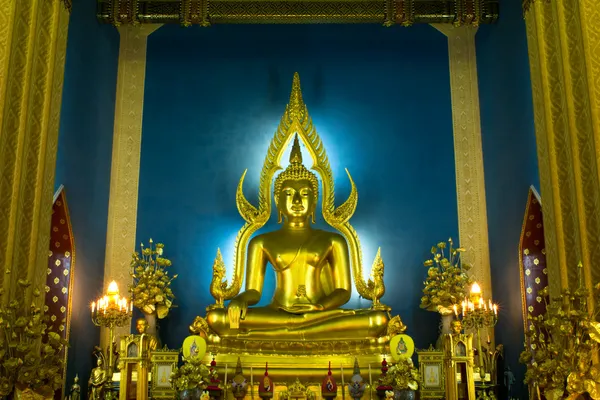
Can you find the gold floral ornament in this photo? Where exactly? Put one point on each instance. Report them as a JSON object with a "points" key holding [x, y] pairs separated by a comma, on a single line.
{"points": [[192, 374], [447, 280], [151, 289], [27, 361], [562, 341], [402, 375]]}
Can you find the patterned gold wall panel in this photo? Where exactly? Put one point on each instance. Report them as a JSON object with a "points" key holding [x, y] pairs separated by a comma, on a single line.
{"points": [[59, 275], [468, 154], [125, 168], [589, 12], [567, 142], [32, 69]]}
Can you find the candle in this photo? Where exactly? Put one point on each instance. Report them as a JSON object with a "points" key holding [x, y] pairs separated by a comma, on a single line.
{"points": [[491, 307], [131, 307], [496, 309], [93, 307], [455, 310], [370, 379], [225, 376], [481, 302], [251, 382], [343, 391]]}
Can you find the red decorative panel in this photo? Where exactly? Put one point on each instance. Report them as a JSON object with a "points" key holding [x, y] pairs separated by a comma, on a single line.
{"points": [[532, 259], [61, 258]]}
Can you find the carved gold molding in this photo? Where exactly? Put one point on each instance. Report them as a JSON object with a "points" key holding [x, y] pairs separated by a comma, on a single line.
{"points": [[468, 154], [387, 12], [33, 37], [125, 168], [563, 43]]}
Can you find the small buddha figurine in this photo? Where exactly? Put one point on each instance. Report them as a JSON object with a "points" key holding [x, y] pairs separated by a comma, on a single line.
{"points": [[239, 384], [312, 269], [75, 393], [357, 385], [98, 379], [141, 326]]}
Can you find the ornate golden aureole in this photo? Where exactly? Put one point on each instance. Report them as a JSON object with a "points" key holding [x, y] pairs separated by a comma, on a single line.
{"points": [[314, 270]]}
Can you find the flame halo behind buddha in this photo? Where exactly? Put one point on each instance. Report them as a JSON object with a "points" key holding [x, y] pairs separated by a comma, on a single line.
{"points": [[313, 267]]}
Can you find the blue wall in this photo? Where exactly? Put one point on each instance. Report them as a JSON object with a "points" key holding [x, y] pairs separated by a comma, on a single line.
{"points": [[380, 100], [510, 165], [83, 167]]}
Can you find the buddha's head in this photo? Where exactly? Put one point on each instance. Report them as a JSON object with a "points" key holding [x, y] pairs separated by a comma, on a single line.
{"points": [[141, 325], [296, 190], [99, 362]]}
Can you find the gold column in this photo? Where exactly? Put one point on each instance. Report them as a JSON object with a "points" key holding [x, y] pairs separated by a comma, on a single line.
{"points": [[468, 154], [33, 38], [564, 56], [125, 168]]}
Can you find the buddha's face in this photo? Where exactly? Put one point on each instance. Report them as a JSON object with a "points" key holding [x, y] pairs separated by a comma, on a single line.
{"points": [[296, 200], [141, 325]]}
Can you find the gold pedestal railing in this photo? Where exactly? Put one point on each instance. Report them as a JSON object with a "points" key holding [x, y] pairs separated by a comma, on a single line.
{"points": [[387, 12]]}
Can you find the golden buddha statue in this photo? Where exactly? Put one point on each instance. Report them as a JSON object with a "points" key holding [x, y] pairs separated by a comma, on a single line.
{"points": [[315, 269], [312, 268]]}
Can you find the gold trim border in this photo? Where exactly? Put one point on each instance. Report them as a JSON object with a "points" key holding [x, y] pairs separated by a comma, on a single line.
{"points": [[468, 153], [125, 167]]}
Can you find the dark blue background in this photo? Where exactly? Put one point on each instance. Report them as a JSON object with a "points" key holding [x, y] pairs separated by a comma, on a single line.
{"points": [[380, 100]]}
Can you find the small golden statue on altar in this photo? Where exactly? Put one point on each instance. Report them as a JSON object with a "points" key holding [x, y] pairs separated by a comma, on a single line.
{"points": [[314, 268], [98, 380]]}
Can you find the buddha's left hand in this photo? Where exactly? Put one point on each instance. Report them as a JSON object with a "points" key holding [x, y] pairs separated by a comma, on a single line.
{"points": [[301, 308]]}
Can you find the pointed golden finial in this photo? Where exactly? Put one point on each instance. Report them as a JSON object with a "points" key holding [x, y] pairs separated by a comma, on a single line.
{"points": [[296, 105], [296, 153]]}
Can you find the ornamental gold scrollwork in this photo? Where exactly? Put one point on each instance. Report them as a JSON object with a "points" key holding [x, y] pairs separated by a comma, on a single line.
{"points": [[210, 12], [296, 120]]}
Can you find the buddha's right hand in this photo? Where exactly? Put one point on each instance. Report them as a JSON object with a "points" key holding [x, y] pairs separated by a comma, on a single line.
{"points": [[236, 311]]}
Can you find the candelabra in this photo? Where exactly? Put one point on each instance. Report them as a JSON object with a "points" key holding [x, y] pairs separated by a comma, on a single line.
{"points": [[475, 314], [111, 311]]}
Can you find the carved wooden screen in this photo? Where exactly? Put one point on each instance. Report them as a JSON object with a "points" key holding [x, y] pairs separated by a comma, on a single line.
{"points": [[59, 280]]}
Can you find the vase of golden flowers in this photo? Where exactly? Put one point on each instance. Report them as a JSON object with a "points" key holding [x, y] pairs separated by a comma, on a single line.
{"points": [[446, 283], [31, 362], [191, 379], [151, 290], [560, 347], [404, 378]]}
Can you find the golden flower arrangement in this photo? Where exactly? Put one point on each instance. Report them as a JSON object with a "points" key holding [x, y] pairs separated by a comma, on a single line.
{"points": [[26, 361], [561, 344], [151, 289], [191, 375], [447, 279], [402, 375]]}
